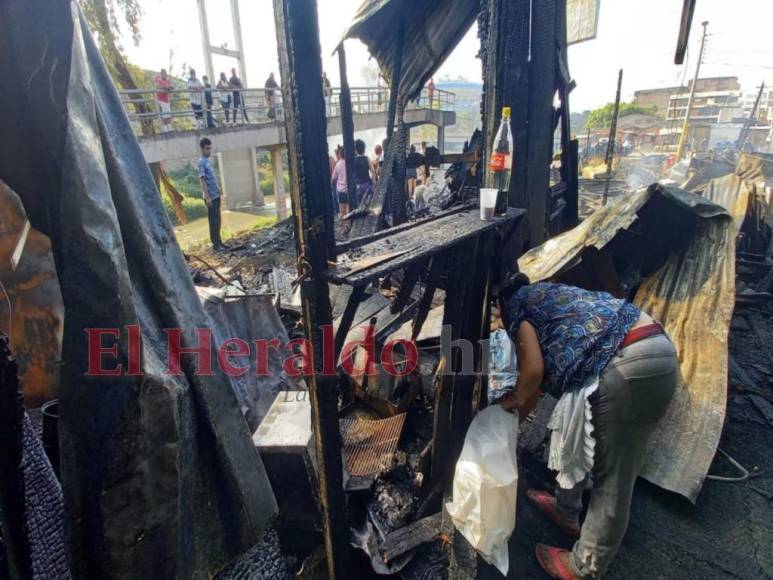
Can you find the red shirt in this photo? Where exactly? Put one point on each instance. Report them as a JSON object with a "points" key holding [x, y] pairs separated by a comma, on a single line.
{"points": [[164, 85]]}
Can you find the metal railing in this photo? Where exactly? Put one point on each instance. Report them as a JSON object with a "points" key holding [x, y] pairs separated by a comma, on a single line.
{"points": [[148, 116]]}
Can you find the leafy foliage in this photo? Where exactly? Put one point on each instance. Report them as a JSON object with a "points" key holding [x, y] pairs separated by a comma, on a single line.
{"points": [[602, 117]]}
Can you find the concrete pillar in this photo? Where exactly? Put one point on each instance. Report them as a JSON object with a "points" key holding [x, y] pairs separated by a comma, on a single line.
{"points": [[239, 173], [279, 183], [441, 139]]}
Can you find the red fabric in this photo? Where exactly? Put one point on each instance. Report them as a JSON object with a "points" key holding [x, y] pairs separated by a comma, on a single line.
{"points": [[640, 333], [164, 84]]}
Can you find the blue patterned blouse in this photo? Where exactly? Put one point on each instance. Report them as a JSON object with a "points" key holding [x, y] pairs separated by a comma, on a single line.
{"points": [[578, 330]]}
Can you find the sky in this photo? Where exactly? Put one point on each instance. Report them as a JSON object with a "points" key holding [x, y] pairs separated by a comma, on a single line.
{"points": [[636, 35]]}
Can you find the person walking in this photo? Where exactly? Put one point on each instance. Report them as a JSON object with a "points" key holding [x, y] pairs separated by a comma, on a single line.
{"points": [[164, 88], [270, 90], [208, 102], [236, 87], [210, 192], [224, 96], [583, 346], [195, 89]]}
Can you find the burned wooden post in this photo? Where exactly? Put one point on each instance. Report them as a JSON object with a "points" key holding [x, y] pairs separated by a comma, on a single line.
{"points": [[301, 68], [504, 30], [569, 147], [542, 89], [394, 82], [612, 134], [347, 123]]}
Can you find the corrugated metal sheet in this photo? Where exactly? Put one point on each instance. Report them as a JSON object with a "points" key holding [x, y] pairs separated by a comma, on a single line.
{"points": [[692, 294], [433, 28]]}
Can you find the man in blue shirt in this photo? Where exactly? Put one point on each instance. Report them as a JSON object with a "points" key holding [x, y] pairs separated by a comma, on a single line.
{"points": [[211, 192]]}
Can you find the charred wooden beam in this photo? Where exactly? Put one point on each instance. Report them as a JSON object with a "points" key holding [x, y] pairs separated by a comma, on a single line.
{"points": [[409, 537], [394, 82], [542, 89], [347, 123], [301, 70], [433, 279], [505, 56], [410, 279], [358, 293]]}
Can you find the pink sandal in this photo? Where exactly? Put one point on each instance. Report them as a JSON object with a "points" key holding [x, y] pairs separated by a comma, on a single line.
{"points": [[546, 503], [550, 560]]}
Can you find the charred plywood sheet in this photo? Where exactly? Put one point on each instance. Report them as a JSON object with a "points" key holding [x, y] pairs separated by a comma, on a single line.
{"points": [[692, 294]]}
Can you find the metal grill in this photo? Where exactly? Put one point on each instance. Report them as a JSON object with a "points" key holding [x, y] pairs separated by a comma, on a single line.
{"points": [[370, 444]]}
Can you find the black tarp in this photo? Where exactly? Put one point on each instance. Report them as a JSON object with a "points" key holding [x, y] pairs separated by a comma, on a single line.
{"points": [[433, 28], [159, 473]]}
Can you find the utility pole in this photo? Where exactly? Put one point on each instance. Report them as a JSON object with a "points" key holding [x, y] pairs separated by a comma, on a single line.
{"points": [[612, 135], [683, 134], [750, 121]]}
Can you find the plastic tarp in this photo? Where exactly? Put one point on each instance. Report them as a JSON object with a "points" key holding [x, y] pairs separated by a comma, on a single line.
{"points": [[692, 293], [159, 472]]}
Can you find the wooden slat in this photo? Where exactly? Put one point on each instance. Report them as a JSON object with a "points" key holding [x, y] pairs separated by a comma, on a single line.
{"points": [[407, 538], [420, 242]]}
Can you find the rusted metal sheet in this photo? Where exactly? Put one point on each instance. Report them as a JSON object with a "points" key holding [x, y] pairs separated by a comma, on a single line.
{"points": [[31, 308], [692, 294]]}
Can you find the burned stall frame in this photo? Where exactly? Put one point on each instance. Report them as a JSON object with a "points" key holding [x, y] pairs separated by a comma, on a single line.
{"points": [[431, 251]]}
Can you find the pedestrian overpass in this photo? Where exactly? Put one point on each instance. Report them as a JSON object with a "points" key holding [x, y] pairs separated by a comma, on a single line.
{"points": [[261, 126]]}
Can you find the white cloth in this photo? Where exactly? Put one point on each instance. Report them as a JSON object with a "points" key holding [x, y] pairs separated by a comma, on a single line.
{"points": [[572, 445], [194, 90]]}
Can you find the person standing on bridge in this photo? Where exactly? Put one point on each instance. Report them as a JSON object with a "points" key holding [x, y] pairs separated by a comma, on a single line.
{"points": [[224, 96], [208, 101], [270, 89], [195, 89], [210, 192], [431, 91], [327, 90], [164, 88], [236, 87]]}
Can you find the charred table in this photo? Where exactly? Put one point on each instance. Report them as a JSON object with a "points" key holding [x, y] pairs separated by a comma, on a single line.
{"points": [[457, 252]]}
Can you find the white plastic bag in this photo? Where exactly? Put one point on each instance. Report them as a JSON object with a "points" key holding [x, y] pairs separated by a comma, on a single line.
{"points": [[485, 485]]}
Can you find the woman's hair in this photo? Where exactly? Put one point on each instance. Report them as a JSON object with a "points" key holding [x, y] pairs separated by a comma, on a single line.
{"points": [[510, 286], [506, 291], [359, 146]]}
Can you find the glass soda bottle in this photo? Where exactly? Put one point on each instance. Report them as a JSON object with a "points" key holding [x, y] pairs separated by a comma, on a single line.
{"points": [[501, 161]]}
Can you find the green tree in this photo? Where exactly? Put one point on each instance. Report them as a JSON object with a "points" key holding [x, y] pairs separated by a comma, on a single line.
{"points": [[602, 117], [103, 18]]}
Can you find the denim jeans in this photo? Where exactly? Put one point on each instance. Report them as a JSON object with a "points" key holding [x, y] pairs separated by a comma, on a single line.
{"points": [[634, 392]]}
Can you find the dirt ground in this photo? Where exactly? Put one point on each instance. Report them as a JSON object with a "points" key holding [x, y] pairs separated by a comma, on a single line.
{"points": [[729, 532]]}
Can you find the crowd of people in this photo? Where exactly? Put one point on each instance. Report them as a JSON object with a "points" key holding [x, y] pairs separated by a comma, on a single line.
{"points": [[368, 171], [229, 92]]}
